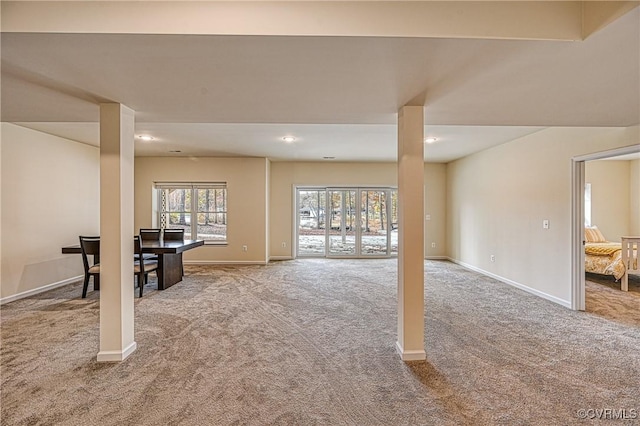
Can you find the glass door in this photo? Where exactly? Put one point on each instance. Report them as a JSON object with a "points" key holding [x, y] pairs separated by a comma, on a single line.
{"points": [[374, 222], [311, 222], [346, 222], [342, 229]]}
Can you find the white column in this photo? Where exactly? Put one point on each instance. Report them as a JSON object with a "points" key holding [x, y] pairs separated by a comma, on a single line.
{"points": [[410, 343], [116, 232]]}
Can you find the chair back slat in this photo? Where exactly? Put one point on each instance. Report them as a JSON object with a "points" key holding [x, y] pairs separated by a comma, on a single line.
{"points": [[150, 234], [174, 234]]}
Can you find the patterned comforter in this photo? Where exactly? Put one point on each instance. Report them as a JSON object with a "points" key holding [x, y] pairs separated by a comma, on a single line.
{"points": [[608, 261]]}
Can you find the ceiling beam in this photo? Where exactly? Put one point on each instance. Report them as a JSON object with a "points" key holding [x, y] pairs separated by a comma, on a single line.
{"points": [[599, 14], [529, 20]]}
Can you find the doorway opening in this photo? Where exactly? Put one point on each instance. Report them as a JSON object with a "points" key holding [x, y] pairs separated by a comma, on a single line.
{"points": [[580, 218], [339, 222]]}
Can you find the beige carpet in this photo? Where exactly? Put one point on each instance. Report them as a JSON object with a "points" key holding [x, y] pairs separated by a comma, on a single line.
{"points": [[604, 298], [311, 342]]}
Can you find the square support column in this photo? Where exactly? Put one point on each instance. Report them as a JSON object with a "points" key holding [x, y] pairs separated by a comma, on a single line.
{"points": [[116, 232], [410, 343]]}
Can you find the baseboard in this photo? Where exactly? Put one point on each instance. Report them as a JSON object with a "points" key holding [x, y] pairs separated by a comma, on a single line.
{"points": [[280, 258], [224, 262], [39, 290], [436, 258], [554, 299], [116, 356], [419, 355]]}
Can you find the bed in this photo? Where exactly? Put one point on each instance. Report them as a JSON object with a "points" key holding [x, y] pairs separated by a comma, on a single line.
{"points": [[610, 258]]}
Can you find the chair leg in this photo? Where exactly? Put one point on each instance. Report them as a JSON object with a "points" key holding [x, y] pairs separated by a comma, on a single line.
{"points": [[140, 283], [85, 286]]}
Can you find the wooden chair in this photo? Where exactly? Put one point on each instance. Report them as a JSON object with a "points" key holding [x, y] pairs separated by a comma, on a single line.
{"points": [[149, 234], [90, 246], [175, 235], [142, 268]]}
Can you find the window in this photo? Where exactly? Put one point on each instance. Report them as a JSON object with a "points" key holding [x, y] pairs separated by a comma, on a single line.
{"points": [[587, 204], [198, 208]]}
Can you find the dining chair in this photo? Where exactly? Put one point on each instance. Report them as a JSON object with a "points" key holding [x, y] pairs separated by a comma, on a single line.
{"points": [[149, 234], [175, 234], [90, 246], [141, 268]]}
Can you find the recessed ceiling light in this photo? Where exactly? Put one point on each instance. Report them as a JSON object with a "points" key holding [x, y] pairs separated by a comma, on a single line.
{"points": [[288, 139], [430, 139], [145, 138]]}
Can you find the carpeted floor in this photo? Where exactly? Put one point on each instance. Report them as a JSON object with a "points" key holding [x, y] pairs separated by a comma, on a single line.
{"points": [[312, 342], [604, 298]]}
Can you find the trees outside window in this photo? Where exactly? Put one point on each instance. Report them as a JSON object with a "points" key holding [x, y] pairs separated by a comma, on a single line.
{"points": [[198, 208]]}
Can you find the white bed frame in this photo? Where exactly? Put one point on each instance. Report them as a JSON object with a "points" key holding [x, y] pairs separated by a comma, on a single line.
{"points": [[630, 250]]}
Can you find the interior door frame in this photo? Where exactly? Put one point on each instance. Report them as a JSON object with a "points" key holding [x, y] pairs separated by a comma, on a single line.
{"points": [[577, 220]]}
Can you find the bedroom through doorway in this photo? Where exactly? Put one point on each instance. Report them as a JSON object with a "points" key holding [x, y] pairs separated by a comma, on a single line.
{"points": [[606, 203]]}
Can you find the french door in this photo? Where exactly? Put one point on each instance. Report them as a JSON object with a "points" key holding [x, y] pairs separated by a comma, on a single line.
{"points": [[346, 222]]}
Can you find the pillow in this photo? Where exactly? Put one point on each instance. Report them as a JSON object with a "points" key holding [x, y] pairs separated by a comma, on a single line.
{"points": [[593, 235]]}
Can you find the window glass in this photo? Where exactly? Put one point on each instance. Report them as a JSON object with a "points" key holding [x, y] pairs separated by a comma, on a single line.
{"points": [[212, 214], [587, 204], [198, 208]]}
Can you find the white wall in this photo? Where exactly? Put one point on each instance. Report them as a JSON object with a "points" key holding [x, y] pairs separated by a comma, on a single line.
{"points": [[247, 180], [634, 198], [50, 195], [610, 201], [286, 175], [498, 198]]}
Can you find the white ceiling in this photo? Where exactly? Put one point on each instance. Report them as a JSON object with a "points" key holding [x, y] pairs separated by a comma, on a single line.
{"points": [[344, 142], [239, 95]]}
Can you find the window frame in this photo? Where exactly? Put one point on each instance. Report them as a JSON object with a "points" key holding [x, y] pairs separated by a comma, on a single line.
{"points": [[194, 211]]}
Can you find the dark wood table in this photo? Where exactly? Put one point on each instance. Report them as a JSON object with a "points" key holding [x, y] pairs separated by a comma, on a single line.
{"points": [[169, 258]]}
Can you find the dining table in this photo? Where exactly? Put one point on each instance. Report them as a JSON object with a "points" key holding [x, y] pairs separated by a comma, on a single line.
{"points": [[169, 255]]}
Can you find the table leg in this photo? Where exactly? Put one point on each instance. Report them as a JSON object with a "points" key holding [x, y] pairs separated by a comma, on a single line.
{"points": [[169, 270]]}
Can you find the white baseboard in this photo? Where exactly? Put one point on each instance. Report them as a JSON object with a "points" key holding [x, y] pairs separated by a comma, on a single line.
{"points": [[39, 289], [116, 356], [280, 258], [224, 262], [554, 299], [436, 258], [419, 355]]}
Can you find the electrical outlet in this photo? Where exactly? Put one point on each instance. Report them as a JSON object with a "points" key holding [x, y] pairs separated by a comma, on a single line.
{"points": [[433, 245], [427, 217], [244, 248], [493, 257], [284, 244], [545, 224]]}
